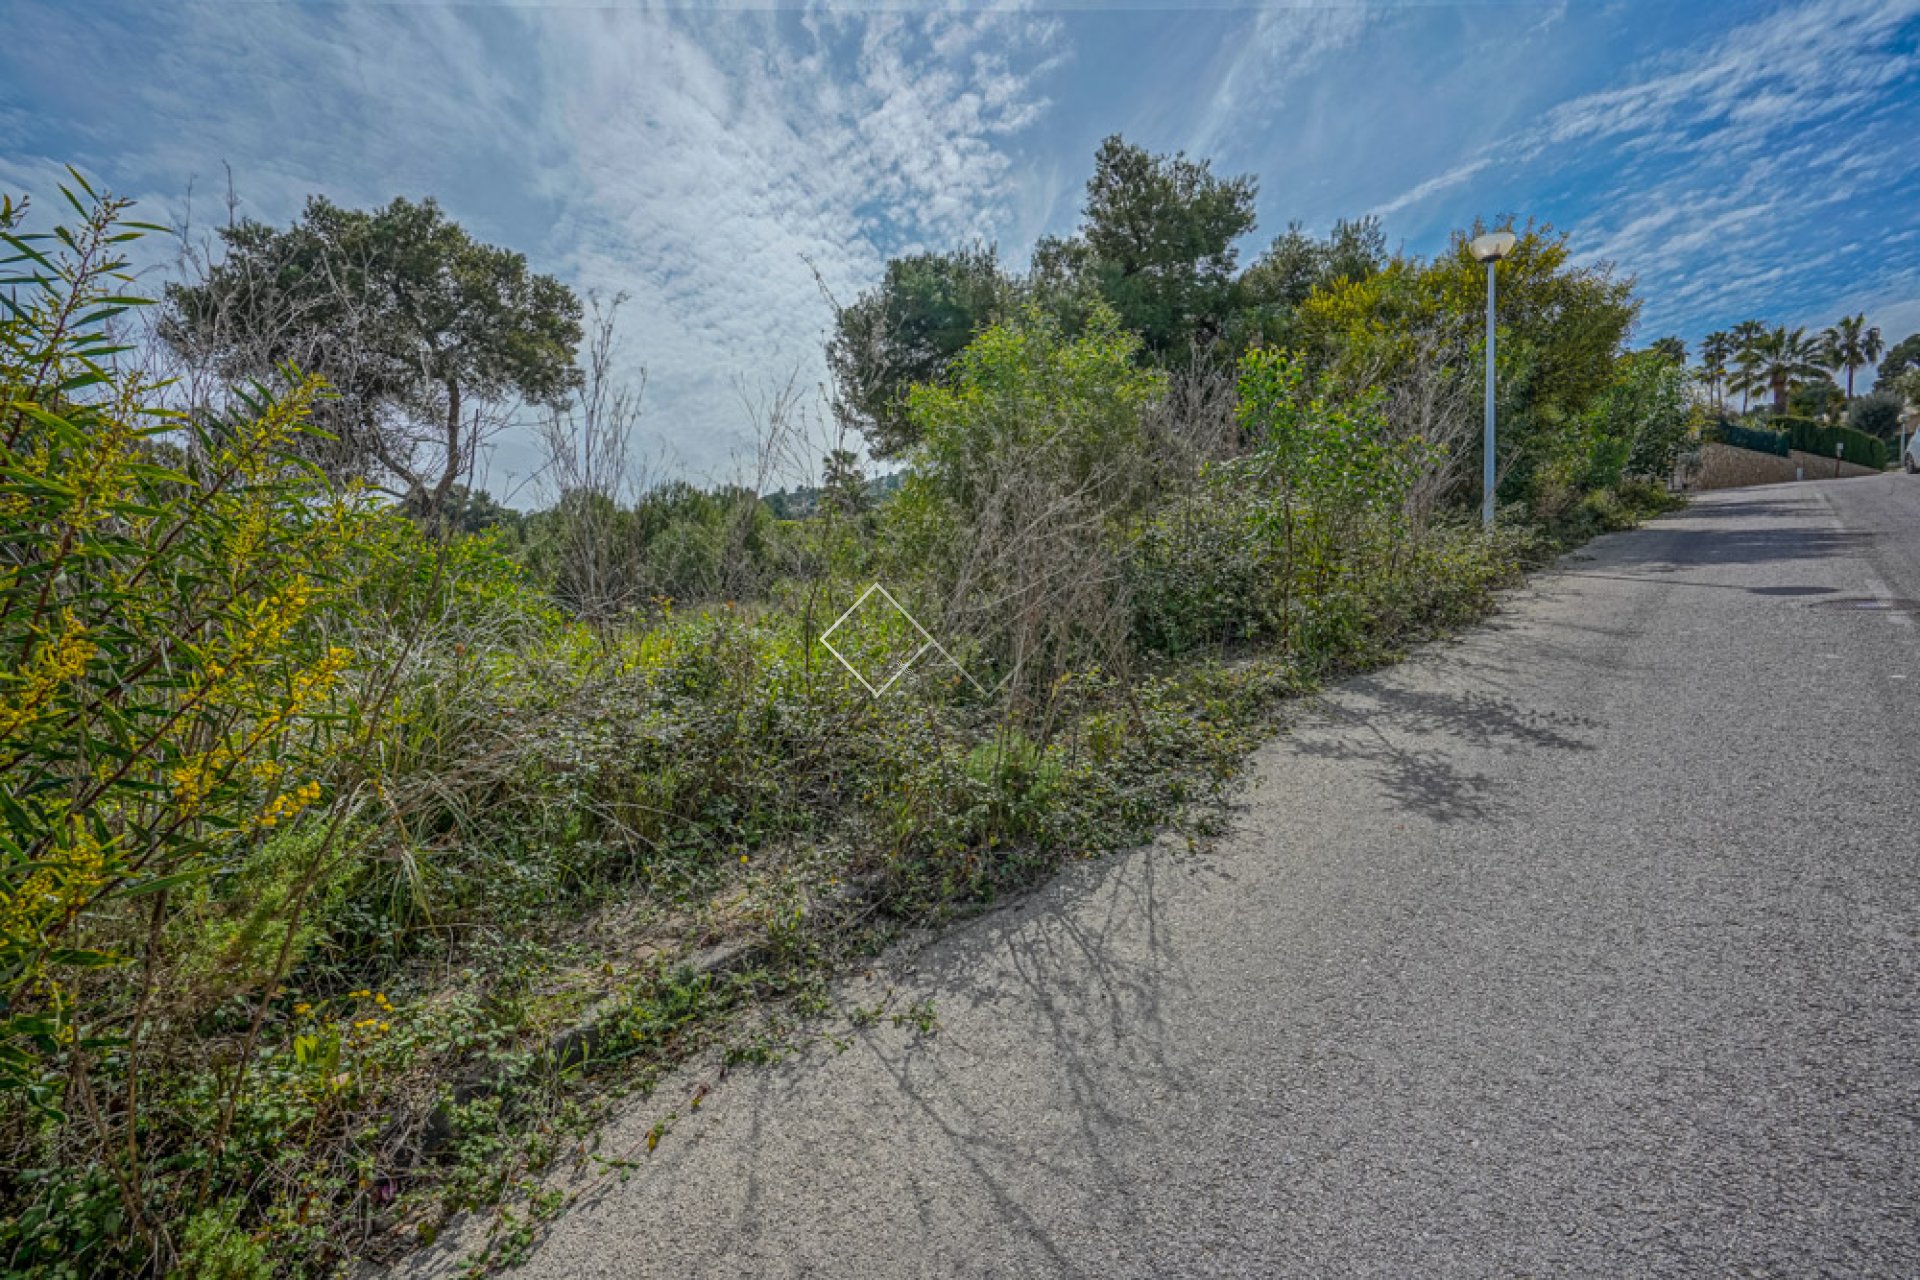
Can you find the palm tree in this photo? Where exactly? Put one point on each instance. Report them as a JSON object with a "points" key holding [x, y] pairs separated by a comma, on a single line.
{"points": [[1852, 344], [1745, 334], [1715, 349], [1776, 361]]}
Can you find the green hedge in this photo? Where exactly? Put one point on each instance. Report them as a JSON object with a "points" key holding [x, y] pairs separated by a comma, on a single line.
{"points": [[1811, 437], [1744, 437]]}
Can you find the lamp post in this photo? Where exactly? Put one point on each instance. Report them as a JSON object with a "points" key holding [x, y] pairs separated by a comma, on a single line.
{"points": [[1489, 248]]}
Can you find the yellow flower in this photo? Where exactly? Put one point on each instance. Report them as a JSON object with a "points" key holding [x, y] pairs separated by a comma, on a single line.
{"points": [[58, 890], [288, 804], [51, 666]]}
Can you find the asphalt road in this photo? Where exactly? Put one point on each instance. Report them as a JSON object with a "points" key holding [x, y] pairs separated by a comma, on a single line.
{"points": [[1587, 945]]}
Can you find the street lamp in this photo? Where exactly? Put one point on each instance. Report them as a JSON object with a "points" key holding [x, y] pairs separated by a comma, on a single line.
{"points": [[1489, 248]]}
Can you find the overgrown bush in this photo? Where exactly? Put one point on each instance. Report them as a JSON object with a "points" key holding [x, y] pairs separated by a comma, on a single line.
{"points": [[1030, 464], [1640, 422], [185, 711], [675, 542]]}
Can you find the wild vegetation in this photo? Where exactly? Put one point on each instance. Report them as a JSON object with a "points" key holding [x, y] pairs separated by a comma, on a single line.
{"points": [[364, 839]]}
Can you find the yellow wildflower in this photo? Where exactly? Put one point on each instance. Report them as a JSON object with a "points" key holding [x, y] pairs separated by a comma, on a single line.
{"points": [[51, 667], [57, 890]]}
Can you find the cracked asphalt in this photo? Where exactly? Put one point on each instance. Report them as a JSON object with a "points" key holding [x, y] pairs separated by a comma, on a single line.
{"points": [[1584, 945]]}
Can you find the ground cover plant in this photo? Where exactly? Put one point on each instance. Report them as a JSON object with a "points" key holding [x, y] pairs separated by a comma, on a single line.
{"points": [[361, 846]]}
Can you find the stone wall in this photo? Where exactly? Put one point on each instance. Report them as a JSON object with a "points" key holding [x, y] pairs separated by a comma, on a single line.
{"points": [[1722, 466], [1819, 468]]}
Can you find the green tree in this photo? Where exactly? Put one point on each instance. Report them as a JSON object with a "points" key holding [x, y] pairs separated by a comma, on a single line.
{"points": [[470, 511], [1640, 423], [1672, 347], [1158, 236], [424, 335], [186, 733], [1776, 360], [1852, 344], [904, 331], [1715, 350], [1032, 467], [1877, 413], [1561, 327], [843, 487], [1745, 335], [1901, 358], [1294, 265], [1816, 398]]}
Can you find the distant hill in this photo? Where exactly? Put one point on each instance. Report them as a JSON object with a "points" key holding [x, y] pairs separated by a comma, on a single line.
{"points": [[801, 503]]}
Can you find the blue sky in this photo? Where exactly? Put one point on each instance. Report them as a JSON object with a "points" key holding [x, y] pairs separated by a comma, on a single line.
{"points": [[1740, 159]]}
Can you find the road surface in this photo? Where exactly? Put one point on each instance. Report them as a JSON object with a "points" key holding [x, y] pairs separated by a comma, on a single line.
{"points": [[1587, 945]]}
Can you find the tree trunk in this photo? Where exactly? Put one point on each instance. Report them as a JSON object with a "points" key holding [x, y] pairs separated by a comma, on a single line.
{"points": [[437, 500]]}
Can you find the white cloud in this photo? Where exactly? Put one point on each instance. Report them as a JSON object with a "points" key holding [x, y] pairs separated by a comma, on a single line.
{"points": [[719, 170], [1285, 45], [698, 160], [1432, 186], [1724, 171]]}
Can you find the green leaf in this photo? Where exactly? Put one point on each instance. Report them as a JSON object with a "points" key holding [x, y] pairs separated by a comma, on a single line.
{"points": [[82, 182], [84, 958], [24, 250], [92, 377], [147, 887]]}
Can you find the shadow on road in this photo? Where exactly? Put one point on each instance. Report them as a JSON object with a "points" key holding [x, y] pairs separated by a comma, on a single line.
{"points": [[1088, 968], [1410, 741]]}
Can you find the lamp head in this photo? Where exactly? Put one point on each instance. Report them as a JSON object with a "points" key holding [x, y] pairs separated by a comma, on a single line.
{"points": [[1492, 246]]}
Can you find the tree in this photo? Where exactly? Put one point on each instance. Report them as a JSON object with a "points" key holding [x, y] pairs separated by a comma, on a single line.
{"points": [[1159, 233], [1637, 427], [1907, 388], [1715, 349], [904, 331], [1901, 358], [1745, 334], [589, 446], [1561, 329], [1816, 398], [1775, 361], [1294, 265], [843, 486], [1672, 347], [1852, 344], [424, 334], [1877, 414], [471, 511]]}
